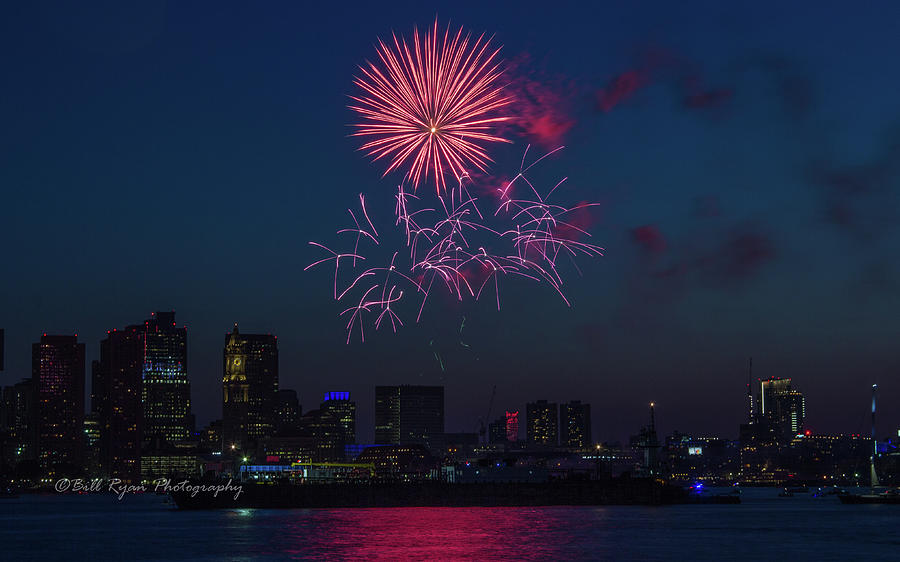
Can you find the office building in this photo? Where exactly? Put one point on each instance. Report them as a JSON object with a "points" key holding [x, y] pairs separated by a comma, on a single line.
{"points": [[542, 419], [408, 414], [325, 433], [287, 412], [211, 437], [575, 424], [249, 388], [497, 431], [782, 408], [166, 389], [92, 446], [340, 406], [512, 426], [19, 424], [116, 390], [791, 411], [57, 366], [769, 389]]}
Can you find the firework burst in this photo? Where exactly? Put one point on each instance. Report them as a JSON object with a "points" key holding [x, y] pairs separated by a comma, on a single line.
{"points": [[433, 103], [452, 247]]}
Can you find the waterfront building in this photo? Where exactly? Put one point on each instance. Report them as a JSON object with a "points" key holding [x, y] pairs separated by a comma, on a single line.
{"points": [[403, 462], [171, 460], [497, 431], [18, 424], [769, 389], [575, 424], [782, 407], [211, 437], [327, 433], [92, 445], [512, 426], [542, 419], [249, 388], [408, 414], [116, 391], [646, 447], [57, 365], [287, 412], [289, 449], [341, 407], [166, 389]]}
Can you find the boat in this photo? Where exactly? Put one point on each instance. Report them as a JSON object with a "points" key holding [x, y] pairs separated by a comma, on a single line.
{"points": [[827, 491], [891, 496], [785, 493], [616, 491]]}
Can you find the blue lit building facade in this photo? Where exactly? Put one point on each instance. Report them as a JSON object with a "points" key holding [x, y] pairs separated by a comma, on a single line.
{"points": [[342, 408], [166, 390]]}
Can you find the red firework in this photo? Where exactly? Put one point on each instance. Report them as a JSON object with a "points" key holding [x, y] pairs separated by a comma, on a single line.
{"points": [[433, 102]]}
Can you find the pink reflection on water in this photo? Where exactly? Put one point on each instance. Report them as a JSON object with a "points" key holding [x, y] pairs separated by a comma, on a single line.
{"points": [[429, 533]]}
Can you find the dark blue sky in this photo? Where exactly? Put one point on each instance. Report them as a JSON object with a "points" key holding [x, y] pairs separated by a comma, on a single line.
{"points": [[182, 156]]}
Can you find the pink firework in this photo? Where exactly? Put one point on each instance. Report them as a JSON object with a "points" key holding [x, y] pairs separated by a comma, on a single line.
{"points": [[453, 247], [431, 103]]}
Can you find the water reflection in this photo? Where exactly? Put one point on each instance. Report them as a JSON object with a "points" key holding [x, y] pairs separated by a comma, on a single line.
{"points": [[435, 533]]}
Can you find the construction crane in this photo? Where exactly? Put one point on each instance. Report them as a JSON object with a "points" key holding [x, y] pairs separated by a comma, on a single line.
{"points": [[482, 431]]}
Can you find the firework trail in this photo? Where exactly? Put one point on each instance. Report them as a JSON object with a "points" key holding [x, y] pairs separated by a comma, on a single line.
{"points": [[432, 102], [453, 248], [429, 106]]}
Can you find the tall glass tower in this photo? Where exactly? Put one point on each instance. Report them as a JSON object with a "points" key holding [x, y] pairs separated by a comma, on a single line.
{"points": [[116, 401], [166, 390]]}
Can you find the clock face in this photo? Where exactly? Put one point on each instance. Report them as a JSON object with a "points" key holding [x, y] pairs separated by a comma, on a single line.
{"points": [[234, 366]]}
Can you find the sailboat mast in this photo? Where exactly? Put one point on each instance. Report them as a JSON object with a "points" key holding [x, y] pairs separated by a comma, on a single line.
{"points": [[873, 476]]}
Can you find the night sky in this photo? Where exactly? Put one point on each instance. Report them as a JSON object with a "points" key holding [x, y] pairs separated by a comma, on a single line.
{"points": [[747, 159]]}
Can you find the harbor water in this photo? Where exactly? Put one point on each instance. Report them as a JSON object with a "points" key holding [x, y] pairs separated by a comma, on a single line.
{"points": [[764, 526]]}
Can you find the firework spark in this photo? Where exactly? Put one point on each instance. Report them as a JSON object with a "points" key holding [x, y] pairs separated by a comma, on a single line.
{"points": [[458, 251], [433, 102]]}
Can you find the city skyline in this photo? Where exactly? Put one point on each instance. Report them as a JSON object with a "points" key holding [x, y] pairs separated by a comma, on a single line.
{"points": [[746, 166], [449, 280], [768, 394]]}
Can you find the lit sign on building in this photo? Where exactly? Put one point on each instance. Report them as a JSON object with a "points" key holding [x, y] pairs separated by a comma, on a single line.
{"points": [[695, 450]]}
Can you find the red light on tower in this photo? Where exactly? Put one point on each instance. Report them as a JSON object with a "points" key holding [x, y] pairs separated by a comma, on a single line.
{"points": [[512, 426]]}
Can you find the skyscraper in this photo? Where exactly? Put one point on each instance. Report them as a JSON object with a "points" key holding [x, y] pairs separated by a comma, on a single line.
{"points": [[512, 426], [166, 389], [408, 414], [340, 406], [543, 423], [575, 424], [287, 412], [497, 431], [249, 388], [19, 422], [782, 407], [57, 366], [768, 390], [325, 433], [792, 411], [2, 334], [116, 400]]}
